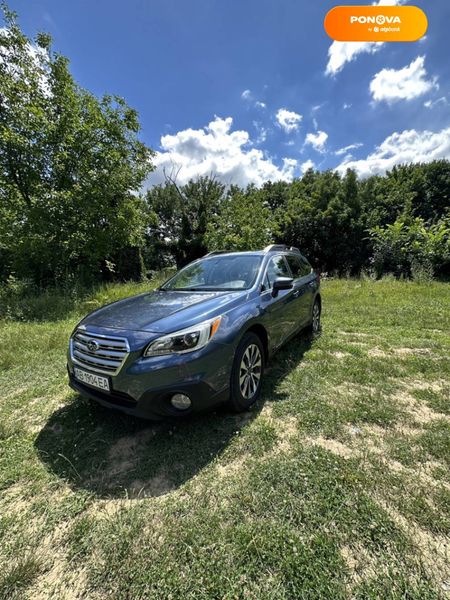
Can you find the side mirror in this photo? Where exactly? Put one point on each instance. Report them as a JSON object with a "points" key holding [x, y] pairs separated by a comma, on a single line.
{"points": [[282, 283]]}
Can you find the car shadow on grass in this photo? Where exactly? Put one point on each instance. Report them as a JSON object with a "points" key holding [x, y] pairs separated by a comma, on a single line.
{"points": [[113, 455]]}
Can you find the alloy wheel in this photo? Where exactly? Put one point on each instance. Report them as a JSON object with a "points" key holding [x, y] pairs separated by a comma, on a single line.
{"points": [[250, 371], [316, 318]]}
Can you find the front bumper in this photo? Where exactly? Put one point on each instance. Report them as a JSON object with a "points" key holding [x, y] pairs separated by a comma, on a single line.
{"points": [[154, 404], [143, 387]]}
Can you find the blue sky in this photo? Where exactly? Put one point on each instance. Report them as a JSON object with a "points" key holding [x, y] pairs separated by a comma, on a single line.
{"points": [[254, 89]]}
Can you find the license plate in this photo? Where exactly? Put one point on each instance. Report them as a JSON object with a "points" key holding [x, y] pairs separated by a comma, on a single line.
{"points": [[97, 381]]}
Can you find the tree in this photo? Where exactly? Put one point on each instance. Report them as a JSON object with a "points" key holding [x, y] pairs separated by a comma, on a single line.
{"points": [[244, 222], [323, 220], [71, 167], [412, 247], [182, 216]]}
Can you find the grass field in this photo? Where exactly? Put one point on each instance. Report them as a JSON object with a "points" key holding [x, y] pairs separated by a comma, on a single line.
{"points": [[337, 485]]}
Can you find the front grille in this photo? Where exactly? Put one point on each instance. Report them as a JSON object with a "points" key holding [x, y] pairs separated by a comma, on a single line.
{"points": [[106, 355]]}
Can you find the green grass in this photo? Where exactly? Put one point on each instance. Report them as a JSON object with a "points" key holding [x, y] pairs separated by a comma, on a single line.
{"points": [[335, 486]]}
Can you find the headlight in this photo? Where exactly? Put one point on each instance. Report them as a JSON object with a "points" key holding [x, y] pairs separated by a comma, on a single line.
{"points": [[186, 340]]}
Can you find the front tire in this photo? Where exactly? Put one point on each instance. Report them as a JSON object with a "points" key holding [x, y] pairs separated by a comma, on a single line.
{"points": [[315, 318], [247, 372]]}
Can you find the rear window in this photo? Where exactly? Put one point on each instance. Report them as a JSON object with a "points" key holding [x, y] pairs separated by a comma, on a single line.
{"points": [[299, 266]]}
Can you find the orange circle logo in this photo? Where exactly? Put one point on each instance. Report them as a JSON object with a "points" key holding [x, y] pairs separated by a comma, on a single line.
{"points": [[376, 23]]}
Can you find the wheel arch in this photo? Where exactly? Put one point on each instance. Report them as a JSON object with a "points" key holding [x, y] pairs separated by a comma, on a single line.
{"points": [[319, 300], [261, 332]]}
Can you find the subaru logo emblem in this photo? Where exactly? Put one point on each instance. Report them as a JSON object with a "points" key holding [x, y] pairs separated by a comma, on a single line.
{"points": [[92, 346]]}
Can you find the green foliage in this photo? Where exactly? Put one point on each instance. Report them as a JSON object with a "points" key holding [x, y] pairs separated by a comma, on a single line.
{"points": [[396, 223], [70, 168], [180, 219], [323, 217], [245, 222], [412, 248]]}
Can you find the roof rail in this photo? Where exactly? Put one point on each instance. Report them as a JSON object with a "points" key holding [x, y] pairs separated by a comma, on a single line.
{"points": [[217, 252], [281, 248]]}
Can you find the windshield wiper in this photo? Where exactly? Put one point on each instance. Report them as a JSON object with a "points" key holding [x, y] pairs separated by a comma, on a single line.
{"points": [[195, 289], [200, 289]]}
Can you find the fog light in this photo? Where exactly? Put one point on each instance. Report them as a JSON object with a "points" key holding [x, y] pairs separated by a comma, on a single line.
{"points": [[181, 401]]}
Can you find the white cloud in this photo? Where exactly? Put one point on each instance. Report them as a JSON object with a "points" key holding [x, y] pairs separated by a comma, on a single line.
{"points": [[409, 146], [217, 150], [249, 97], [389, 2], [309, 164], [340, 53], [346, 149], [289, 168], [288, 120], [432, 103], [317, 140], [262, 132], [402, 84], [346, 106]]}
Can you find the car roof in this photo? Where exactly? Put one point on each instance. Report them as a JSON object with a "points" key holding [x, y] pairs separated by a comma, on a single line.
{"points": [[236, 253], [279, 248]]}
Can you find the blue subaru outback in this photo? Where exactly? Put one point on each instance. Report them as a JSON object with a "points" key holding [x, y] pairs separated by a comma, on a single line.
{"points": [[200, 339]]}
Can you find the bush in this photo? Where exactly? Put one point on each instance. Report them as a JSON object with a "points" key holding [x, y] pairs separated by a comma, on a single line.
{"points": [[22, 300], [412, 248]]}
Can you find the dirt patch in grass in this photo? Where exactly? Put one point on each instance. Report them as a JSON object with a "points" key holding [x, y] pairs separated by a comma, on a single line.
{"points": [[124, 455], [357, 334], [105, 509], [159, 485], [412, 351], [419, 411], [434, 550], [360, 563], [232, 468], [377, 353], [332, 446], [287, 430], [340, 355], [58, 578], [419, 384], [62, 580], [16, 498]]}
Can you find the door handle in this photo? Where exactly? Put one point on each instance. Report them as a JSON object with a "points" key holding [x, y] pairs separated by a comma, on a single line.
{"points": [[296, 294]]}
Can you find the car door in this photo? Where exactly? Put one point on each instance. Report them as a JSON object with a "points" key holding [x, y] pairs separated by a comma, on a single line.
{"points": [[303, 292], [279, 317]]}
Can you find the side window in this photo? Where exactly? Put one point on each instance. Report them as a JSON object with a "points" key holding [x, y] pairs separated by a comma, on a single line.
{"points": [[306, 267], [296, 266], [277, 267]]}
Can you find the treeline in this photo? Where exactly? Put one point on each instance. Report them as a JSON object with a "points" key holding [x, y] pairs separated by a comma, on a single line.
{"points": [[397, 223], [72, 209]]}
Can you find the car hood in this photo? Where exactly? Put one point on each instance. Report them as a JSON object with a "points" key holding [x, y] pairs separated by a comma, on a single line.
{"points": [[161, 311]]}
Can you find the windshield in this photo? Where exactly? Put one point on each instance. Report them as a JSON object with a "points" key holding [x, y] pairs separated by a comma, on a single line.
{"points": [[217, 273]]}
